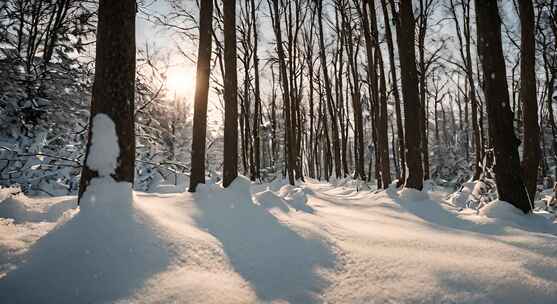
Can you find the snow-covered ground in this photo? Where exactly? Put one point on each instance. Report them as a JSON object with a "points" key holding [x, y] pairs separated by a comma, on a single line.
{"points": [[273, 243]]}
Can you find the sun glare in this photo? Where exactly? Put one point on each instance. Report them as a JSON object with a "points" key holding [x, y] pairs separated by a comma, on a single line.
{"points": [[180, 82]]}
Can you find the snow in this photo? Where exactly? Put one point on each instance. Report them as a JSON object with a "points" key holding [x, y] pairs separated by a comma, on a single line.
{"points": [[176, 183], [501, 210], [410, 195], [249, 243], [101, 254], [104, 195], [23, 221], [104, 150]]}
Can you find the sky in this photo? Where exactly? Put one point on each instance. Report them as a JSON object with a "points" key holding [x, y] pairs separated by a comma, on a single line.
{"points": [[181, 72]]}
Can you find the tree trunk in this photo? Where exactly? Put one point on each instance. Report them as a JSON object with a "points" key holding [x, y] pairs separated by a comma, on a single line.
{"points": [[357, 109], [328, 93], [423, 121], [531, 145], [199, 133], [114, 85], [409, 77], [508, 175], [230, 167], [382, 147], [257, 110], [398, 111]]}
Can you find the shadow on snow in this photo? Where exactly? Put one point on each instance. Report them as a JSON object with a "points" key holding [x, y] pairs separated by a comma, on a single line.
{"points": [[276, 261], [89, 259]]}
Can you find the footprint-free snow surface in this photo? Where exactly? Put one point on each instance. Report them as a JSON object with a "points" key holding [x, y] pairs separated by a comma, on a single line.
{"points": [[274, 243]]}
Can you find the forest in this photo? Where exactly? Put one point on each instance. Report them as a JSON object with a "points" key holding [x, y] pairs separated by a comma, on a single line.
{"points": [[278, 151]]}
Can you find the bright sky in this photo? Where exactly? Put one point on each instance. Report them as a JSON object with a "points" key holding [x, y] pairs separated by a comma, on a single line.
{"points": [[181, 72]]}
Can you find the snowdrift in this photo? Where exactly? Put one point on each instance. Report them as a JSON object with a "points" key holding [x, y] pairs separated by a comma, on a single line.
{"points": [[100, 255], [252, 243]]}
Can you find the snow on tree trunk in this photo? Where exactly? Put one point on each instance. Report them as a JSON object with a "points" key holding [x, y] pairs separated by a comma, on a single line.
{"points": [[103, 159], [114, 88], [104, 150]]}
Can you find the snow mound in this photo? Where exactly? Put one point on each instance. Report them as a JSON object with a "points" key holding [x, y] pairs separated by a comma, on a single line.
{"points": [[103, 253], [104, 195], [104, 150], [240, 185], [295, 197], [507, 214], [276, 261], [22, 209], [410, 194], [221, 245], [269, 200], [24, 220], [501, 210]]}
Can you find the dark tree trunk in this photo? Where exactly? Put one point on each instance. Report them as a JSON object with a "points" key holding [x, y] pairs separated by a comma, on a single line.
{"points": [[382, 117], [508, 174], [114, 84], [423, 121], [197, 174], [531, 145], [383, 135], [230, 167], [257, 110], [409, 77]]}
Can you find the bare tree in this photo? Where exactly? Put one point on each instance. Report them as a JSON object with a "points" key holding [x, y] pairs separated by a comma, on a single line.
{"points": [[409, 77], [114, 84], [197, 174], [531, 146], [230, 167], [396, 94], [291, 158], [508, 174]]}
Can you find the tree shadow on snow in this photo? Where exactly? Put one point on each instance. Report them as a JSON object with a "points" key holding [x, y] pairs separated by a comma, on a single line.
{"points": [[437, 216], [473, 288], [277, 262], [89, 259], [20, 213]]}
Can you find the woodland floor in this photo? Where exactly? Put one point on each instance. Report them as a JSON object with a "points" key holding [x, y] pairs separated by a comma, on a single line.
{"points": [[251, 243]]}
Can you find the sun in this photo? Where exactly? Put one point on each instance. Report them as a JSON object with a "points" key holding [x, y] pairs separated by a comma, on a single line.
{"points": [[180, 82]]}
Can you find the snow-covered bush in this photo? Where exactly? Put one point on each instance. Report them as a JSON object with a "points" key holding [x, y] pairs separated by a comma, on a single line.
{"points": [[45, 118]]}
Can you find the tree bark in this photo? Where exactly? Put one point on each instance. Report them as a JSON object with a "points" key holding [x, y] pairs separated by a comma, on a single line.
{"points": [[409, 77], [199, 132], [423, 121], [114, 84], [508, 173], [257, 110], [230, 167], [398, 111], [531, 145]]}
